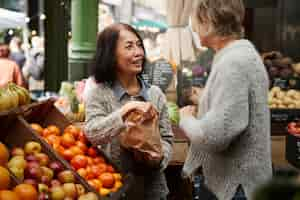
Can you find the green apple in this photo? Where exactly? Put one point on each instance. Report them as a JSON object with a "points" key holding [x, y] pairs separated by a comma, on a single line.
{"points": [[32, 147], [17, 162], [57, 193]]}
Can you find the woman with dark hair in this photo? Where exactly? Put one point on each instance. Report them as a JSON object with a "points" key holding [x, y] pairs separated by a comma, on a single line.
{"points": [[118, 89]]}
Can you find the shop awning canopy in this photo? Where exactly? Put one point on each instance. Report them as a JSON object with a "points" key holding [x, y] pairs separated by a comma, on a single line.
{"points": [[150, 23], [11, 19]]}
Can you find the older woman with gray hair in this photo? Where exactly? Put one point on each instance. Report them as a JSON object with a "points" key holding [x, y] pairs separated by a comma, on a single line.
{"points": [[230, 135]]}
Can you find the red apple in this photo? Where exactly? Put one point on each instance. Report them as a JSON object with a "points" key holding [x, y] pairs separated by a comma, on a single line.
{"points": [[43, 196], [34, 173], [56, 166], [55, 183], [31, 157]]}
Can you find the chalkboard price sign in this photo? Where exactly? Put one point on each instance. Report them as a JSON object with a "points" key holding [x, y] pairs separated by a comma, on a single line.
{"points": [[159, 73]]}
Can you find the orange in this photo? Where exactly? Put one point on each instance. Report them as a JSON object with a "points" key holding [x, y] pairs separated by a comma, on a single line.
{"points": [[107, 180], [4, 154], [26, 192], [104, 191], [8, 195], [37, 128], [4, 178]]}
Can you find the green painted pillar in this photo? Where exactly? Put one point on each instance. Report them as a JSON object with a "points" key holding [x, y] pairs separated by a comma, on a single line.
{"points": [[84, 20], [56, 37]]}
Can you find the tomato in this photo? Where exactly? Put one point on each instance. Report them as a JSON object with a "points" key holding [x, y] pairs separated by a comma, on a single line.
{"points": [[98, 160], [90, 161], [110, 169], [37, 128], [82, 137], [99, 169], [46, 132], [68, 154], [92, 152], [82, 146], [53, 129], [72, 130], [76, 150], [53, 139], [82, 172], [68, 140], [90, 174], [59, 149], [79, 161], [107, 180]]}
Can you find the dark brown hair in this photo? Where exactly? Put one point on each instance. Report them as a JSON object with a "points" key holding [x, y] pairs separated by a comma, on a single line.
{"points": [[103, 67]]}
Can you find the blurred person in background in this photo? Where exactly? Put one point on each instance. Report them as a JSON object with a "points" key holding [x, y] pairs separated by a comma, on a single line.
{"points": [[33, 69], [230, 134], [16, 52], [9, 70]]}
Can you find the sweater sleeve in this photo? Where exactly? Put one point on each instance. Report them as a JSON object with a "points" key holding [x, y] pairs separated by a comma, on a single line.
{"points": [[101, 126], [165, 129], [228, 114]]}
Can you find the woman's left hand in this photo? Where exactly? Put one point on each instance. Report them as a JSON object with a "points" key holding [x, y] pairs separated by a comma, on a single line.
{"points": [[188, 111]]}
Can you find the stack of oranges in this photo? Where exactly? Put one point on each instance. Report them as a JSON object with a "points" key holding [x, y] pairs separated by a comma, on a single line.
{"points": [[73, 146]]}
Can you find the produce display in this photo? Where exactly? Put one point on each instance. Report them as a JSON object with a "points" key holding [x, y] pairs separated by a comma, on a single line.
{"points": [[46, 179], [173, 112], [278, 98], [70, 102], [73, 146], [294, 128], [12, 96], [277, 65]]}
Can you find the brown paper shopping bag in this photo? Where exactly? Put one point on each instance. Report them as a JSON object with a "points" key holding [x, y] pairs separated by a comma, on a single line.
{"points": [[142, 136]]}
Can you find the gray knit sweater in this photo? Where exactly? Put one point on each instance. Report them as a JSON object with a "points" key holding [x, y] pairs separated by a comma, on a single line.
{"points": [[104, 123], [230, 138]]}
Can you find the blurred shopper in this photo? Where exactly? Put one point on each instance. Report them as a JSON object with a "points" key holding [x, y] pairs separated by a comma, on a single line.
{"points": [[16, 52], [33, 69], [230, 135], [9, 70], [118, 89]]}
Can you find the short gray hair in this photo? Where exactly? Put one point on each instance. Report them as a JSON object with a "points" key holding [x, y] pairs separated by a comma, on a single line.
{"points": [[225, 16]]}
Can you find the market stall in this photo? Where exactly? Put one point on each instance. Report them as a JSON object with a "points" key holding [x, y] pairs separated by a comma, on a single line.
{"points": [[49, 156]]}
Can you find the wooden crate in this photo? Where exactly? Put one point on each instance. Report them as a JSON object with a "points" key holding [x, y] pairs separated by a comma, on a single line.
{"points": [[17, 133], [45, 113]]}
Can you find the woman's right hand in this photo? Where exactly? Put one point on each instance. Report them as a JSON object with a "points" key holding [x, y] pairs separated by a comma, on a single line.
{"points": [[139, 105]]}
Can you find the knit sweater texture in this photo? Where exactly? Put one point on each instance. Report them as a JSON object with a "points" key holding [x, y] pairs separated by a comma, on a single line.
{"points": [[104, 123], [230, 137]]}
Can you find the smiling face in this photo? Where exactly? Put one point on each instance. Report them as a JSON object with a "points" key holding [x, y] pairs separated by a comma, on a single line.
{"points": [[130, 53]]}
